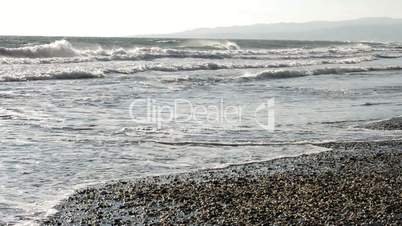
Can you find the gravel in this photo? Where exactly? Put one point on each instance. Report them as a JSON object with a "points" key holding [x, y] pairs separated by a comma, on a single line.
{"points": [[390, 124], [354, 183]]}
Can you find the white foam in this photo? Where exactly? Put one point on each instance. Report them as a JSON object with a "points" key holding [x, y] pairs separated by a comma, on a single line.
{"points": [[220, 66], [51, 75], [60, 48], [388, 56], [50, 72], [62, 51], [211, 44], [289, 73]]}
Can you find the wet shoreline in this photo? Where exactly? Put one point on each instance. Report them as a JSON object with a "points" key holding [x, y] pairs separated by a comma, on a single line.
{"points": [[389, 124], [352, 183]]}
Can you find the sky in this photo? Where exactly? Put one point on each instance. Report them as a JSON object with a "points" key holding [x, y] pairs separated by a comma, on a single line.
{"points": [[141, 17]]}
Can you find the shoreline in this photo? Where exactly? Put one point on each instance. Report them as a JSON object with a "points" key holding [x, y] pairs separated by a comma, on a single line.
{"points": [[388, 124], [179, 131], [353, 183], [308, 189]]}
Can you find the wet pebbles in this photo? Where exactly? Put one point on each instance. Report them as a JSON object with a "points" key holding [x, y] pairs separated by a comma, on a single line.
{"points": [[355, 183], [390, 124]]}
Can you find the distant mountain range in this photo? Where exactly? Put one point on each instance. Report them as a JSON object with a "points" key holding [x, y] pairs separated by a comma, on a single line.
{"points": [[365, 29]]}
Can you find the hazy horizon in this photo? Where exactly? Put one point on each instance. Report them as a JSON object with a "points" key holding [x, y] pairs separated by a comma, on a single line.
{"points": [[202, 28], [106, 19]]}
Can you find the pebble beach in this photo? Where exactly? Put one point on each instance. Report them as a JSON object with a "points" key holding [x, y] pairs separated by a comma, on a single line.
{"points": [[351, 183]]}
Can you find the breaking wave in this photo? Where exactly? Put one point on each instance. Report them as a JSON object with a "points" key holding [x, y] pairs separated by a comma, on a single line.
{"points": [[265, 75], [62, 51], [96, 72], [211, 44], [219, 66], [389, 56], [61, 48], [52, 75], [288, 73]]}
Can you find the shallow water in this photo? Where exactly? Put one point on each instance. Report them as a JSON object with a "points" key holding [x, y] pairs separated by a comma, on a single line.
{"points": [[74, 111]]}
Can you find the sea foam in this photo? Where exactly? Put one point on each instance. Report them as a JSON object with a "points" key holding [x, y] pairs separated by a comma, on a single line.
{"points": [[60, 48], [289, 73], [52, 75]]}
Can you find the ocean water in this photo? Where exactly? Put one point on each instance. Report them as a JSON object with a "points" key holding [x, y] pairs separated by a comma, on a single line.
{"points": [[80, 111]]}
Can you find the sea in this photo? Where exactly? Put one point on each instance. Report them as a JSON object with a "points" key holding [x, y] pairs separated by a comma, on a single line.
{"points": [[77, 112]]}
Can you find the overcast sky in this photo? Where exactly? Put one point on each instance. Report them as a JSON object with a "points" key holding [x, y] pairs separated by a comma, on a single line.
{"points": [[135, 17]]}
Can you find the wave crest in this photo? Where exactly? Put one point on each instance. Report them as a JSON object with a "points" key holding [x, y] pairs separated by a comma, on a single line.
{"points": [[53, 75], [60, 48], [289, 73], [62, 51], [211, 44]]}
